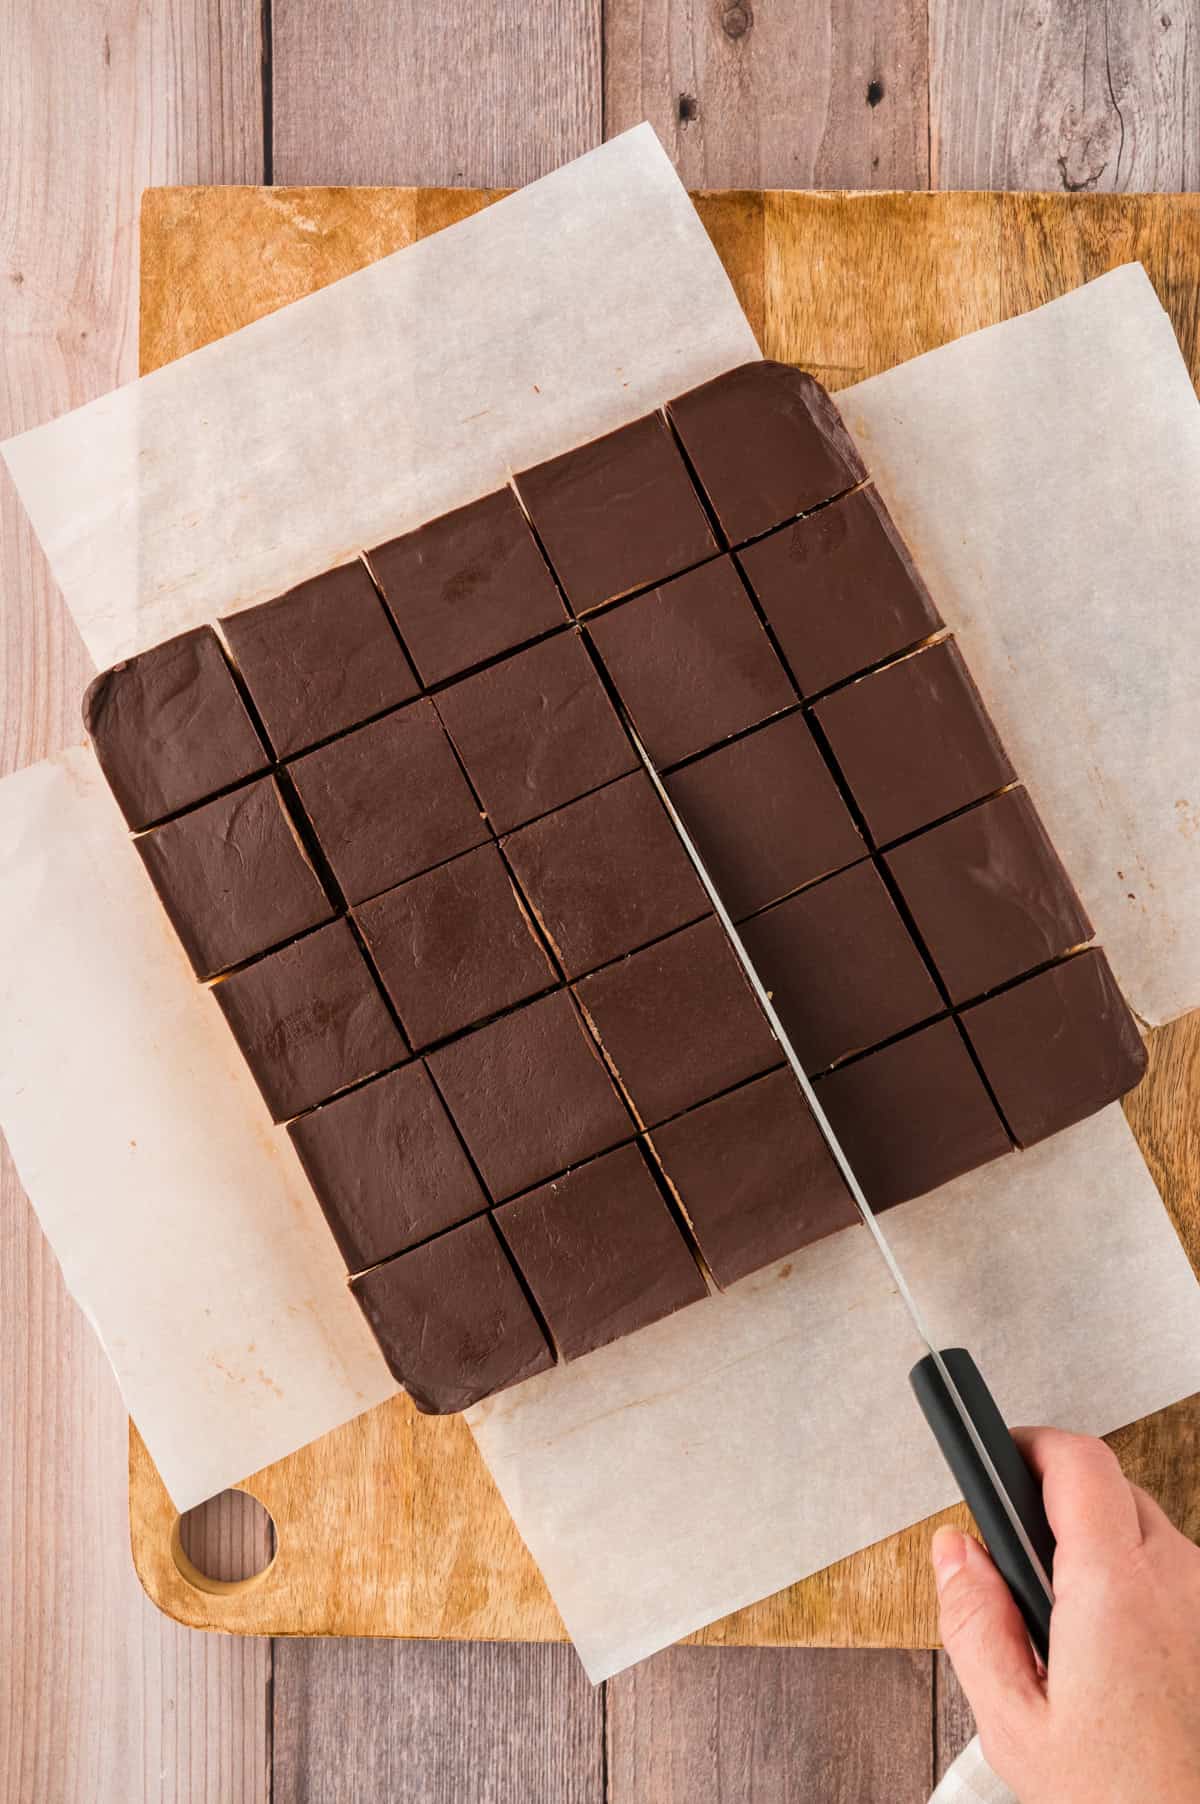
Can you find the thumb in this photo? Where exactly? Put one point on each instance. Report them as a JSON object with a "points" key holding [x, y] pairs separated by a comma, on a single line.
{"points": [[983, 1634]]}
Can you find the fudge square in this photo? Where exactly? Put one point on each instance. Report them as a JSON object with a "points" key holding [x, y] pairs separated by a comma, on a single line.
{"points": [[617, 514], [606, 874], [766, 815], [1057, 1046], [233, 877], [319, 659], [678, 1021], [601, 1252], [536, 731], [454, 946], [840, 590], [452, 1320], [467, 587], [388, 801], [691, 662], [169, 728], [310, 1020], [914, 742], [387, 1167], [753, 1176], [913, 1115], [529, 1095], [767, 443], [841, 967]]}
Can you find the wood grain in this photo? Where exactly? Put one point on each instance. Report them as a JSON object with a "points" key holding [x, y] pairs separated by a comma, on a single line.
{"points": [[102, 1701], [953, 1719], [1064, 94], [771, 1726], [819, 93], [488, 95], [391, 1526], [435, 1724]]}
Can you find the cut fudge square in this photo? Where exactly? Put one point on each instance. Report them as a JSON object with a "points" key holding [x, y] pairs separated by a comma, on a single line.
{"points": [[753, 1175], [1058, 1046], [529, 1095], [468, 586], [454, 946], [692, 663], [606, 874], [170, 728], [914, 742], [989, 895], [840, 590], [233, 877], [452, 1321], [678, 1022], [387, 1167], [766, 815], [319, 659], [841, 966], [617, 514], [388, 801], [310, 1020], [536, 731], [767, 443], [913, 1115], [600, 1252]]}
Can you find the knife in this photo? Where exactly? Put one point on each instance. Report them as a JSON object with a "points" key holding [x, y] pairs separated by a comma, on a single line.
{"points": [[1000, 1490]]}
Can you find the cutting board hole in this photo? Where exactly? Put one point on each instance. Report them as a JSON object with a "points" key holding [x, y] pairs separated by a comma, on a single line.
{"points": [[225, 1544]]}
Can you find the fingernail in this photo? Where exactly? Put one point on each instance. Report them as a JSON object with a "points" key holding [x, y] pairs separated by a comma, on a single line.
{"points": [[948, 1551]]}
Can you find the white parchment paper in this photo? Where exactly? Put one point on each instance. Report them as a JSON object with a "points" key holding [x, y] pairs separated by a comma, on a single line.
{"points": [[654, 1499]]}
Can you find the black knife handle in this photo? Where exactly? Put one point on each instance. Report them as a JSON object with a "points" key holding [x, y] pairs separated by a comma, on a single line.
{"points": [[999, 1536]]}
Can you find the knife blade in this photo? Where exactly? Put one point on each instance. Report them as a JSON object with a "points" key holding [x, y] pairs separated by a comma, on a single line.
{"points": [[988, 1466]]}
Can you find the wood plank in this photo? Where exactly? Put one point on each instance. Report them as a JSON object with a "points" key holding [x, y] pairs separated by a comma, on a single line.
{"points": [[817, 94], [459, 94], [1072, 97], [415, 1722], [101, 1698], [771, 1726], [953, 1718]]}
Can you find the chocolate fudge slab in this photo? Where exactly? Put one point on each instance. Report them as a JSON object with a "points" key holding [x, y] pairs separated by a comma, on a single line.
{"points": [[678, 1022], [319, 659], [753, 1176], [605, 875], [169, 727], [840, 590], [536, 731], [600, 1252], [767, 443], [766, 815], [388, 801], [467, 587], [617, 514], [452, 1321], [530, 1095], [454, 946], [989, 895], [842, 968], [913, 1115], [387, 1167], [914, 742], [310, 1020], [692, 663], [233, 877], [1058, 1046]]}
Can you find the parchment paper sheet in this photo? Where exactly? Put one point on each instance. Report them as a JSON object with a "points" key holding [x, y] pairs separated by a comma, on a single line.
{"points": [[1079, 1302]]}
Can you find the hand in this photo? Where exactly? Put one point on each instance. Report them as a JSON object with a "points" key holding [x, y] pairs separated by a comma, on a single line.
{"points": [[1116, 1717]]}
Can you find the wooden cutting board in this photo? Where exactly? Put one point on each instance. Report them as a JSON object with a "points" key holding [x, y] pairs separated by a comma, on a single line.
{"points": [[391, 1525]]}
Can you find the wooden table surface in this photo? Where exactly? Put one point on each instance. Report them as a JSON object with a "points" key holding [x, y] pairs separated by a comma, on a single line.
{"points": [[101, 1698]]}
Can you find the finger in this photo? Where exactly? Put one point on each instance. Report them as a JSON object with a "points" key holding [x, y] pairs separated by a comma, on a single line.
{"points": [[1089, 1501], [983, 1634], [1153, 1520]]}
